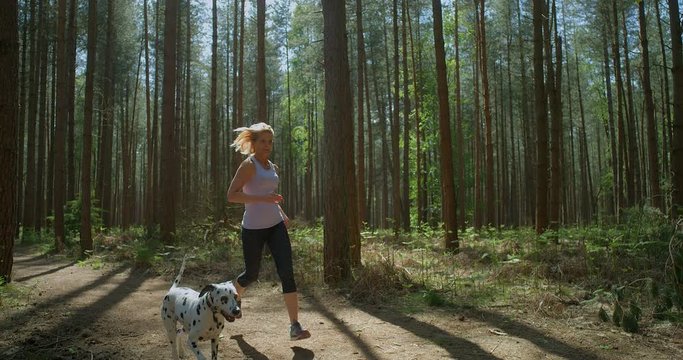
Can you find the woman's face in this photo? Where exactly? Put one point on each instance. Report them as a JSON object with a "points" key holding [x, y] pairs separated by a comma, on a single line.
{"points": [[263, 145]]}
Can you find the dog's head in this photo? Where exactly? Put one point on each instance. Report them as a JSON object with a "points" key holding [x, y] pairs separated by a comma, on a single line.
{"points": [[223, 298]]}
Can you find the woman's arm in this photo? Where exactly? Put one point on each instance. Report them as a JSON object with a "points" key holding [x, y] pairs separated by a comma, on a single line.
{"points": [[284, 216]]}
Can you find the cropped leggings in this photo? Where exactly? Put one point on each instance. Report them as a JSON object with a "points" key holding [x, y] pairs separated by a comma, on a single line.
{"points": [[280, 247]]}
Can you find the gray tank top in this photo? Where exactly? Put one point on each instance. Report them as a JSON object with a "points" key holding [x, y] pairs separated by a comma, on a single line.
{"points": [[260, 215]]}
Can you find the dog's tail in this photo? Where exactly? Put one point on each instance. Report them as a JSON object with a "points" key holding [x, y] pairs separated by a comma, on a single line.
{"points": [[180, 273]]}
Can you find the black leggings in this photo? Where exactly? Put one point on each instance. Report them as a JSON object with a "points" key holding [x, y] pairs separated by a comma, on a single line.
{"points": [[280, 247]]}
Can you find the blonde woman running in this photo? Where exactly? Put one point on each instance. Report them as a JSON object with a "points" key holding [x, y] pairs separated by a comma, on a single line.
{"points": [[254, 185]]}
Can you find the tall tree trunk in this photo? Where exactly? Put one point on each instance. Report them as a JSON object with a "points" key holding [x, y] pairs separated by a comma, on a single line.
{"points": [[405, 186], [187, 128], [86, 228], [677, 139], [360, 43], [261, 100], [22, 117], [215, 190], [71, 98], [476, 124], [483, 58], [554, 87], [395, 129], [149, 173], [240, 85], [9, 121], [234, 159], [528, 121], [622, 159], [104, 161], [632, 156], [513, 214], [60, 129], [446, 163], [156, 149], [386, 159], [666, 107], [370, 218], [652, 148], [460, 199], [541, 116], [341, 228], [614, 199], [168, 155], [43, 49], [28, 218], [584, 158]]}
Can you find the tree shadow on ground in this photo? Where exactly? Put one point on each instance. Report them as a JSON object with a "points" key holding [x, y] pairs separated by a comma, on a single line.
{"points": [[67, 335], [463, 349], [520, 330], [46, 272], [457, 347], [18, 252], [20, 319]]}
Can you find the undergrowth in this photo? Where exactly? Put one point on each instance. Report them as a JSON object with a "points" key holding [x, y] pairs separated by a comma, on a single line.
{"points": [[629, 274]]}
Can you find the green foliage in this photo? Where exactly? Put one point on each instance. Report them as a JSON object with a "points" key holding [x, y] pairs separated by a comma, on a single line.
{"points": [[72, 218], [433, 298]]}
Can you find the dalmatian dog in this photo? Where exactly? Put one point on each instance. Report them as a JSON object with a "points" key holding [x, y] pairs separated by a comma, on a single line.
{"points": [[201, 314]]}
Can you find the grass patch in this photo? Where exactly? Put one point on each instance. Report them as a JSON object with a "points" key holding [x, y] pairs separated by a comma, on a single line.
{"points": [[13, 295]]}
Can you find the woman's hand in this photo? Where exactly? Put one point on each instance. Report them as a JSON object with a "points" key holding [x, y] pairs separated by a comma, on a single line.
{"points": [[274, 198]]}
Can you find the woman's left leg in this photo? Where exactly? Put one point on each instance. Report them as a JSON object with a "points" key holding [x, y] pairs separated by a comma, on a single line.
{"points": [[281, 250]]}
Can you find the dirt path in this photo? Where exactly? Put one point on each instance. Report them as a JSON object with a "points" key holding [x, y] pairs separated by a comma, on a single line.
{"points": [[76, 312]]}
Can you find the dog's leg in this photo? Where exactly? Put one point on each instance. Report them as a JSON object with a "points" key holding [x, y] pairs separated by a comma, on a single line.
{"points": [[179, 342], [214, 349], [193, 344], [171, 332]]}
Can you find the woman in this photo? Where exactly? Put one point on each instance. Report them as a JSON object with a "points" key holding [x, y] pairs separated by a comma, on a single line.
{"points": [[255, 184]]}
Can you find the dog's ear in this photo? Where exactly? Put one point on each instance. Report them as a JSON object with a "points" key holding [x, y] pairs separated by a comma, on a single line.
{"points": [[206, 289]]}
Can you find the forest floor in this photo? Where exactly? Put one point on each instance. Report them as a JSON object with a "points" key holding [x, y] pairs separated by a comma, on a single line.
{"points": [[74, 311]]}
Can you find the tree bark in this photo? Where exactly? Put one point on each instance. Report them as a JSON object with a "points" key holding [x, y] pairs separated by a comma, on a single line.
{"points": [[405, 186], [149, 173], [60, 129], [261, 100], [445, 148], [71, 98], [28, 217], [360, 43], [633, 157], [43, 69], [9, 121], [483, 58], [540, 113], [554, 93], [168, 154], [104, 160], [666, 107], [420, 166], [86, 228], [341, 228], [395, 130], [460, 200], [677, 139], [652, 148], [215, 191]]}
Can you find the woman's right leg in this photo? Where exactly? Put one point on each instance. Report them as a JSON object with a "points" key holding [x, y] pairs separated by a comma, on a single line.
{"points": [[252, 249]]}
